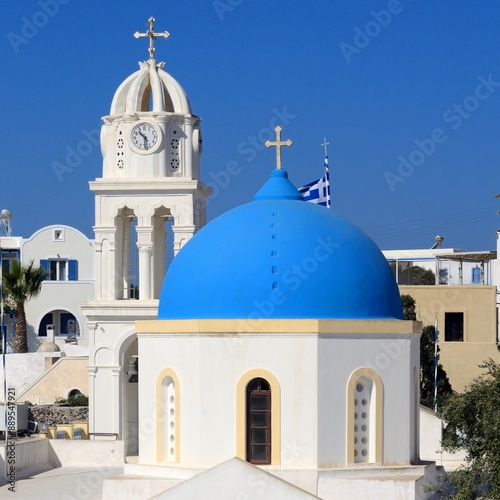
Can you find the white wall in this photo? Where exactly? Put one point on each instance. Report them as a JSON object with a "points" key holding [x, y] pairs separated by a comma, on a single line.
{"points": [[60, 295], [313, 372]]}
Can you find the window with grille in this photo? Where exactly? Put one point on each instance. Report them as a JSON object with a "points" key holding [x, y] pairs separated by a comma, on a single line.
{"points": [[363, 421], [258, 403]]}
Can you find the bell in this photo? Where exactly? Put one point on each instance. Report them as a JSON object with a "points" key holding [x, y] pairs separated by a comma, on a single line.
{"points": [[132, 371]]}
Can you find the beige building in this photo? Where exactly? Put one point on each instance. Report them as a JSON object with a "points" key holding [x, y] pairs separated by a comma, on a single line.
{"points": [[467, 324], [464, 301]]}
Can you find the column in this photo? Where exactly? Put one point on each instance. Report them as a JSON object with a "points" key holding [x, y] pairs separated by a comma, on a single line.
{"points": [[188, 147], [145, 248]]}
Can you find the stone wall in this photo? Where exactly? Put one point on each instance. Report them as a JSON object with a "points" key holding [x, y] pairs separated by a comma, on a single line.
{"points": [[53, 415]]}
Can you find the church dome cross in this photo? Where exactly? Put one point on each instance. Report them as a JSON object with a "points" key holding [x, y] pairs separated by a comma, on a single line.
{"points": [[150, 33], [278, 144]]}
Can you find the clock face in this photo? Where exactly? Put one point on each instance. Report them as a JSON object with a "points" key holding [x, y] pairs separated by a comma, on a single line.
{"points": [[144, 137]]}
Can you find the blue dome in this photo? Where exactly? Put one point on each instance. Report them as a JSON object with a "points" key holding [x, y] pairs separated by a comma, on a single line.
{"points": [[280, 257]]}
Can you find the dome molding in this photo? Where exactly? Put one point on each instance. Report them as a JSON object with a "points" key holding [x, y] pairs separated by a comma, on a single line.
{"points": [[133, 95]]}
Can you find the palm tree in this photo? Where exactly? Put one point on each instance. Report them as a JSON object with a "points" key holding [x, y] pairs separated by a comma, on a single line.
{"points": [[20, 284]]}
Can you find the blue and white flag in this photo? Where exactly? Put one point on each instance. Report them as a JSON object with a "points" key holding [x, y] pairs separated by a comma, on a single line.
{"points": [[318, 191]]}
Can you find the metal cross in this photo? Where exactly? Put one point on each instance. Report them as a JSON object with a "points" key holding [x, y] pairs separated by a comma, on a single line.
{"points": [[325, 144], [278, 143], [152, 36]]}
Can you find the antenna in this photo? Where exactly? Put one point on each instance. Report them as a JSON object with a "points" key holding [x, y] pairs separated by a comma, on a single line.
{"points": [[5, 216]]}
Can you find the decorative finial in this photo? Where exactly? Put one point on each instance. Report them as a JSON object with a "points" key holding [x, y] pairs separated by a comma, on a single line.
{"points": [[152, 36], [325, 144], [278, 143]]}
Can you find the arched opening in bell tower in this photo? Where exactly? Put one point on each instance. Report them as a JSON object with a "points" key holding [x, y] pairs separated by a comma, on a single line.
{"points": [[127, 265], [163, 246], [144, 248]]}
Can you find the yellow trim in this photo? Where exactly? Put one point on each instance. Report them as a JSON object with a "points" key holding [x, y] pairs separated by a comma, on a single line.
{"points": [[242, 326], [168, 372], [241, 425], [379, 412]]}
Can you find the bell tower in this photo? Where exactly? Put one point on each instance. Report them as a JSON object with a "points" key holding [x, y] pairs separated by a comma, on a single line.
{"points": [[151, 146], [148, 203]]}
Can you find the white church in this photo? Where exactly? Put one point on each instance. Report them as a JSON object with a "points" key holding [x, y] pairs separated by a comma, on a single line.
{"points": [[272, 360]]}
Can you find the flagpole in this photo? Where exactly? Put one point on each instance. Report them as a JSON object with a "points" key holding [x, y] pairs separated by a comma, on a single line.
{"points": [[4, 364], [436, 337], [327, 174]]}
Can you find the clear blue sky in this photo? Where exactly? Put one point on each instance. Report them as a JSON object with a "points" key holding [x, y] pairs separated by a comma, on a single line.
{"points": [[376, 78]]}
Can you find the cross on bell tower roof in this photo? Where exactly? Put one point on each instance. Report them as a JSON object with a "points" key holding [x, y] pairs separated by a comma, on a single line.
{"points": [[278, 144], [152, 36]]}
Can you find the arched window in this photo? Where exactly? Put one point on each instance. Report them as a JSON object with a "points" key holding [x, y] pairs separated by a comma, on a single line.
{"points": [[168, 420], [168, 416], [363, 421], [258, 422], [61, 322], [365, 395]]}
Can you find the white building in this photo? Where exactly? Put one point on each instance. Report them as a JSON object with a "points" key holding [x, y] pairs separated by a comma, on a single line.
{"points": [[263, 354], [55, 315], [449, 265], [150, 194]]}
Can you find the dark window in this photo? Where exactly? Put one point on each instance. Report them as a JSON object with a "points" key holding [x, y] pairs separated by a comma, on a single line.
{"points": [[46, 320], [258, 403], [454, 327]]}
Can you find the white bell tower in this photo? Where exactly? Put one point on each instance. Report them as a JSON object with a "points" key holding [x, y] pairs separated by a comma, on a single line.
{"points": [[150, 189], [151, 146]]}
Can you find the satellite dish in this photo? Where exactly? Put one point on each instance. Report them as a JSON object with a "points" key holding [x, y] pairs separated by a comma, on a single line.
{"points": [[6, 214], [439, 240]]}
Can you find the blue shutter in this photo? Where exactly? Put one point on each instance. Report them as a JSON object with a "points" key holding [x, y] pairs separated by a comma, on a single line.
{"points": [[72, 270], [45, 264]]}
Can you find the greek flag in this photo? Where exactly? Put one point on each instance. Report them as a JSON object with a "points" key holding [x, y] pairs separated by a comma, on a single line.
{"points": [[318, 191]]}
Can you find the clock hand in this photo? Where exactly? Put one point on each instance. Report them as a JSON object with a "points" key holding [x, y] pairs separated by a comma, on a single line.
{"points": [[144, 138]]}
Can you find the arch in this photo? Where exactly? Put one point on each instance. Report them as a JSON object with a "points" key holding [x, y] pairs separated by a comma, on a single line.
{"points": [[160, 233], [241, 419], [168, 416], [123, 344], [126, 253], [57, 226], [103, 356], [74, 392], [368, 385], [64, 321], [128, 393]]}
